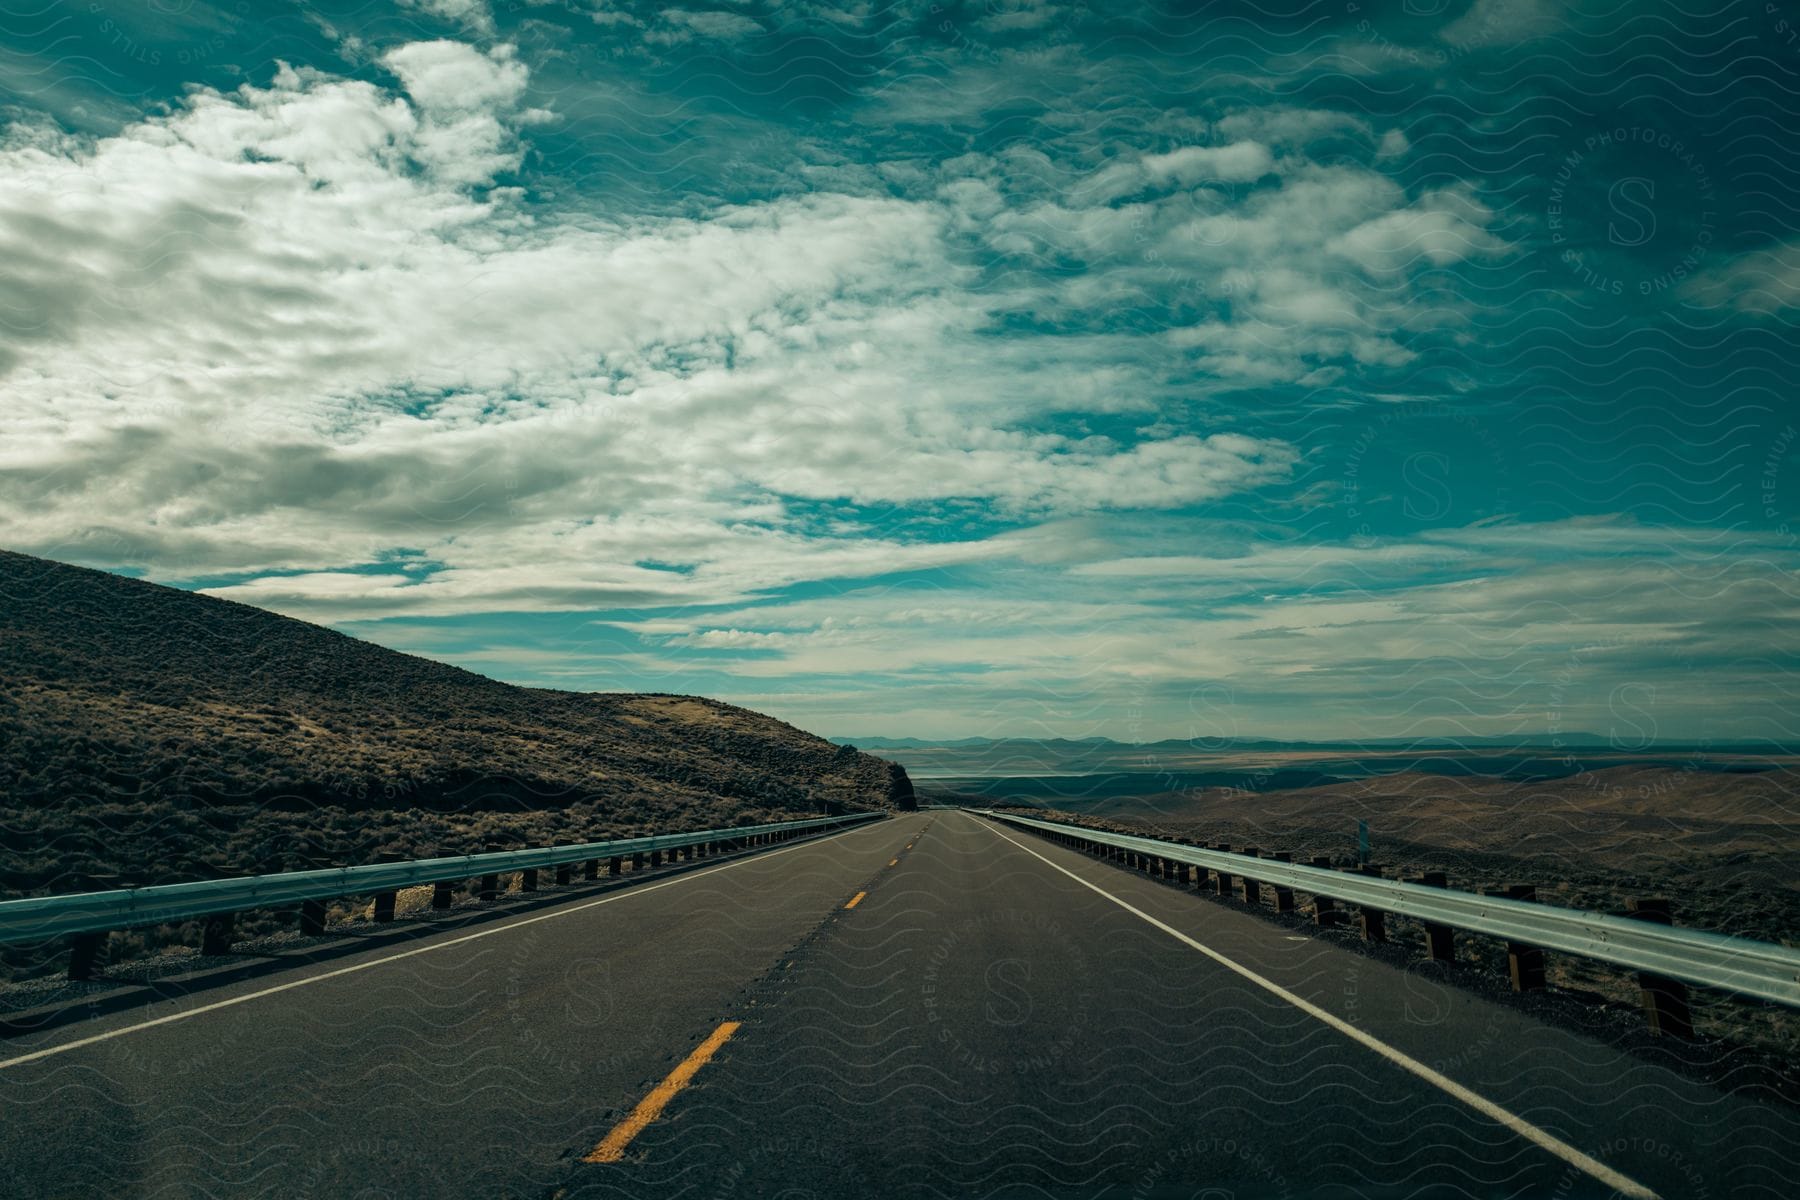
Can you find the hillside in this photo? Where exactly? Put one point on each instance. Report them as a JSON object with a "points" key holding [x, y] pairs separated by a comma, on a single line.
{"points": [[1655, 822], [150, 734]]}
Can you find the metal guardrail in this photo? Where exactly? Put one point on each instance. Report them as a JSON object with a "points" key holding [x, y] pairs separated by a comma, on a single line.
{"points": [[1765, 970], [43, 917]]}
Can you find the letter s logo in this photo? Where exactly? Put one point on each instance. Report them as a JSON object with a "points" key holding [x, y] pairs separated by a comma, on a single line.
{"points": [[1427, 477], [1624, 703], [1630, 199]]}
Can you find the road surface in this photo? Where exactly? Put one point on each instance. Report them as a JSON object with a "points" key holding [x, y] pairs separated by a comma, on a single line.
{"points": [[930, 1006]]}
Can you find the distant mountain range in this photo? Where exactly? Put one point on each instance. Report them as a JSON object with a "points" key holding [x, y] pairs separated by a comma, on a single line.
{"points": [[1534, 741], [1066, 768]]}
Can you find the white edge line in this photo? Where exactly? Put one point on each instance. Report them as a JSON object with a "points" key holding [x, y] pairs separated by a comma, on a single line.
{"points": [[506, 927], [1621, 1184]]}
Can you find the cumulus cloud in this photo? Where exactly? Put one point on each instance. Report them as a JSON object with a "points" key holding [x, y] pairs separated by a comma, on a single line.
{"points": [[301, 324], [1441, 227], [1762, 282], [475, 15]]}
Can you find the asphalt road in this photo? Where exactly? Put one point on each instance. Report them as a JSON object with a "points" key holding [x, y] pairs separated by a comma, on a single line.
{"points": [[931, 1006]]}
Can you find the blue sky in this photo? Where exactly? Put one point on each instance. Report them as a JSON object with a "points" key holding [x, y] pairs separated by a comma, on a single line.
{"points": [[1020, 367]]}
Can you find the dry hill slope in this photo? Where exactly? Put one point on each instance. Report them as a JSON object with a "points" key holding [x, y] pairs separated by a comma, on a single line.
{"points": [[150, 734]]}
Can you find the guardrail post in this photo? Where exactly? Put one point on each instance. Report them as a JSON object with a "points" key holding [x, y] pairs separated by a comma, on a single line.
{"points": [[383, 911], [443, 893], [490, 883], [1284, 896], [1325, 909], [1223, 877], [1252, 887], [1666, 1008], [656, 858], [84, 954], [528, 881], [1440, 940], [590, 869], [1524, 964], [215, 934], [564, 873], [1182, 873], [1374, 921], [312, 918], [615, 865], [637, 860]]}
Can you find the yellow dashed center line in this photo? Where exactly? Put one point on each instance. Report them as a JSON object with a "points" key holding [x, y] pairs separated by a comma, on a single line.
{"points": [[856, 900], [893, 862], [612, 1150]]}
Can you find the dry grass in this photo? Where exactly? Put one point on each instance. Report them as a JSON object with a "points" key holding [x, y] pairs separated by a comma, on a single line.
{"points": [[150, 735]]}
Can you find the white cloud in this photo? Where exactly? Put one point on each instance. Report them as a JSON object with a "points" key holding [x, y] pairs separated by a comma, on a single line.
{"points": [[680, 25], [299, 325], [1503, 23], [1240, 162], [1763, 282], [1494, 629], [445, 77], [1441, 227], [475, 15]]}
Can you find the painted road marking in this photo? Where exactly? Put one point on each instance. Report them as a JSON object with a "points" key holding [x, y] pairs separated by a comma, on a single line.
{"points": [[1593, 1167], [856, 900], [893, 862], [626, 894], [612, 1149]]}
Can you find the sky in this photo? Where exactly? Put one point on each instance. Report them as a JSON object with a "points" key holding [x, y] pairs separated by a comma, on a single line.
{"points": [[1010, 368]]}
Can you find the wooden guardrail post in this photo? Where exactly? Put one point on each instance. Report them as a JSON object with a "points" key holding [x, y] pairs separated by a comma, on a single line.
{"points": [[590, 869], [565, 873], [312, 918], [1374, 920], [1666, 1008], [490, 883], [1325, 909], [1223, 878], [637, 861], [84, 954], [615, 865], [1284, 896], [656, 858], [1440, 940], [1524, 963], [383, 910], [1252, 887], [215, 934], [443, 893]]}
